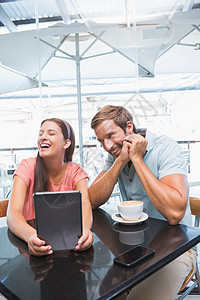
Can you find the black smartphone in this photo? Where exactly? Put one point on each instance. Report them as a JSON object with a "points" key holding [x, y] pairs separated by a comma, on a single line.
{"points": [[133, 256]]}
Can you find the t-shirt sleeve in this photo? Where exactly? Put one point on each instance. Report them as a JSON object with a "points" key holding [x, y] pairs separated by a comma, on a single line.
{"points": [[24, 171], [79, 174], [108, 162], [171, 160]]}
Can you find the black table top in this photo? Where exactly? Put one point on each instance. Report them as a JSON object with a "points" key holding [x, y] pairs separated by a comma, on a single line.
{"points": [[90, 274]]}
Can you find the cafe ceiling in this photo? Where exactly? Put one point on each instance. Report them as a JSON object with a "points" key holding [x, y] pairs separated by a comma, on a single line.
{"points": [[18, 12], [119, 41], [109, 30]]}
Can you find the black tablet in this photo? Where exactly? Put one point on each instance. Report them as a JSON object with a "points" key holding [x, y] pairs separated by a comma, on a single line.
{"points": [[58, 218]]}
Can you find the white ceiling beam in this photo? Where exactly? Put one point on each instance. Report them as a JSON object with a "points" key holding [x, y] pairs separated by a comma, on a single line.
{"points": [[77, 8], [64, 11], [188, 5], [4, 18]]}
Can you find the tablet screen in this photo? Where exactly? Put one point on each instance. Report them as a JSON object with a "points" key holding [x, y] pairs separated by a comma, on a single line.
{"points": [[59, 218]]}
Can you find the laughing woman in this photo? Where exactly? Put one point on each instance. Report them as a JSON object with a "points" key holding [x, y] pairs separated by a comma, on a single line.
{"points": [[52, 170]]}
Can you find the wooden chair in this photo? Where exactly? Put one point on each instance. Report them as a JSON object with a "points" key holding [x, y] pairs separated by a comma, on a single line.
{"points": [[194, 273], [3, 207], [195, 209]]}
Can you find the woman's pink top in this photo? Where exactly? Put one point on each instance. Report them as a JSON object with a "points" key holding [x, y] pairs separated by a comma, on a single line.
{"points": [[26, 169]]}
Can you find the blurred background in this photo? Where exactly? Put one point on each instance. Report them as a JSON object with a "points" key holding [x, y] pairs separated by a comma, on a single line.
{"points": [[69, 58]]}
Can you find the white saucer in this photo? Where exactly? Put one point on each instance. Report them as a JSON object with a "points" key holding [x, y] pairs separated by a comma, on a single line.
{"points": [[116, 217]]}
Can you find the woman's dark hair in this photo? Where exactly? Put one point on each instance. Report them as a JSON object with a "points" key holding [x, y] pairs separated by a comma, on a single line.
{"points": [[41, 180]]}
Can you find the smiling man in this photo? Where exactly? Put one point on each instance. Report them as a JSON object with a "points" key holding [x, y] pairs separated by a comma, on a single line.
{"points": [[149, 168]]}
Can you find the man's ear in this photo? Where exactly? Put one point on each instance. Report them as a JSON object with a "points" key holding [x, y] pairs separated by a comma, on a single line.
{"points": [[67, 144], [129, 127]]}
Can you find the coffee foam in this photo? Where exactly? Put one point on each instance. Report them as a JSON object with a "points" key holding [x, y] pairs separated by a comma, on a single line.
{"points": [[131, 203]]}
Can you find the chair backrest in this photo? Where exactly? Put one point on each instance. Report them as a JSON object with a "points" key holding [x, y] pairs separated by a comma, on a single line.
{"points": [[195, 205], [3, 207], [195, 209], [188, 278]]}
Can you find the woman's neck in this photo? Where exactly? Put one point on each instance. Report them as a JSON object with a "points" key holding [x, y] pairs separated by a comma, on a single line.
{"points": [[56, 170]]}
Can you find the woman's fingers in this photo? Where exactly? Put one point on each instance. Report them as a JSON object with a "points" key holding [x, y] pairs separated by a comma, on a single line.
{"points": [[85, 241], [37, 246]]}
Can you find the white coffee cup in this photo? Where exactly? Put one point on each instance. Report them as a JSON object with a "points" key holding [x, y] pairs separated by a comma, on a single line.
{"points": [[130, 210]]}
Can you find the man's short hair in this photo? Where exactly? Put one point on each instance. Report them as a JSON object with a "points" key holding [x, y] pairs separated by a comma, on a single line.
{"points": [[118, 114]]}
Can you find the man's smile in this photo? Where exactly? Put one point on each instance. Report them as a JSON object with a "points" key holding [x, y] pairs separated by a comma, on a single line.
{"points": [[116, 151]]}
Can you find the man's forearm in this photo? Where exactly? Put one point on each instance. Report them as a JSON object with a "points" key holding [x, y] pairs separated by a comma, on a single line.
{"points": [[168, 195], [101, 189]]}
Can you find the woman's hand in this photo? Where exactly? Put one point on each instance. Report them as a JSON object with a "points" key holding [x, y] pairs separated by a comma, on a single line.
{"points": [[85, 240], [37, 247]]}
